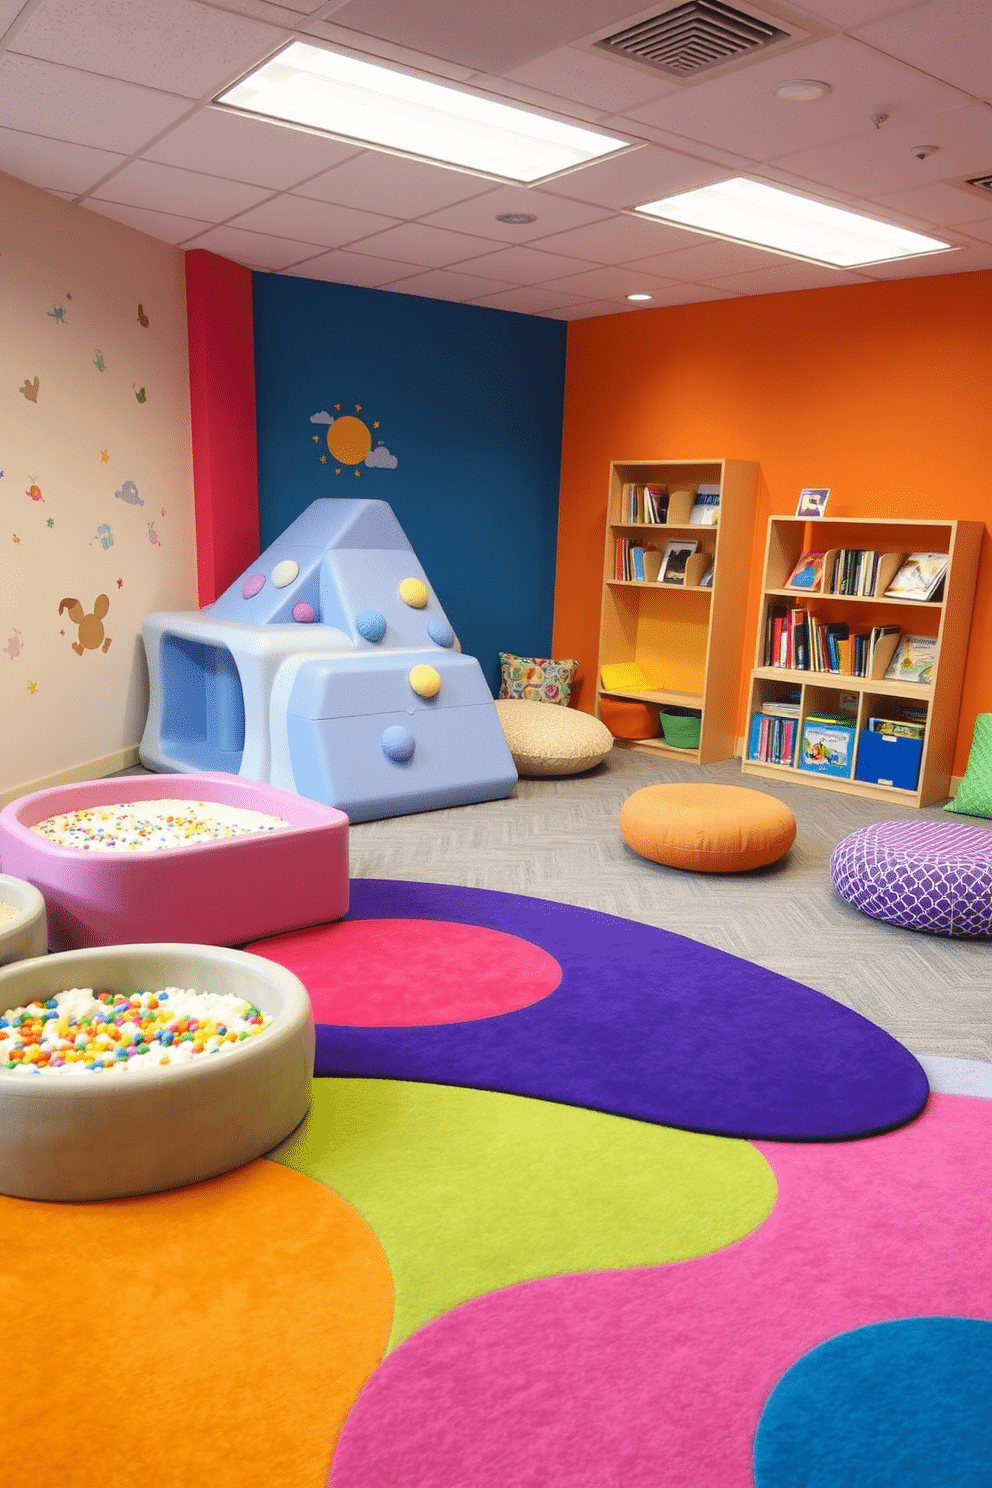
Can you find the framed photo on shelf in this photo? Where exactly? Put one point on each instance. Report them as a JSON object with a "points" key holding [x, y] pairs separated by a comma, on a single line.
{"points": [[813, 501]]}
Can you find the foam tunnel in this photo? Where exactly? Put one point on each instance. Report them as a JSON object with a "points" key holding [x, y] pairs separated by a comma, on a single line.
{"points": [[328, 668]]}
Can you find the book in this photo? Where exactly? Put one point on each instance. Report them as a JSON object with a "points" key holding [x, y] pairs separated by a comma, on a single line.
{"points": [[705, 507], [673, 563], [826, 748], [919, 578], [898, 727], [706, 582], [914, 660], [807, 572], [656, 504]]}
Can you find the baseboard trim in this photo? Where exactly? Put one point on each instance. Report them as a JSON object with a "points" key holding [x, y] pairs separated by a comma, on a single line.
{"points": [[108, 764]]}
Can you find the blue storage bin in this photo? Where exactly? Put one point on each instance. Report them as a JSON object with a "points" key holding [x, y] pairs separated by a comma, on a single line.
{"points": [[888, 759]]}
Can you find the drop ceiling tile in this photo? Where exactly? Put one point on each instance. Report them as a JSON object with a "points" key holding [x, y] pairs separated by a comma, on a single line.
{"points": [[534, 99], [608, 283], [687, 294], [529, 300], [882, 160], [53, 164], [290, 216], [951, 39], [62, 103], [848, 13], [286, 13], [552, 214], [256, 250], [741, 108], [982, 229], [939, 203], [706, 259], [447, 284], [375, 181], [165, 188], [525, 266], [785, 278], [377, 48], [161, 225], [593, 79], [251, 150], [9, 12], [486, 38], [617, 240], [149, 43], [961, 261], [596, 310], [642, 175], [343, 267], [413, 242]]}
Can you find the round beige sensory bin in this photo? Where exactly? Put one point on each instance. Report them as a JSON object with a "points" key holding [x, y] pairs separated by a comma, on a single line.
{"points": [[546, 739], [109, 1135], [23, 920]]}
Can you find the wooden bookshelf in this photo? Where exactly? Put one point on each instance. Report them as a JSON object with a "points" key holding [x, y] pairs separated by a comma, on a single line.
{"points": [[680, 645], [946, 618]]}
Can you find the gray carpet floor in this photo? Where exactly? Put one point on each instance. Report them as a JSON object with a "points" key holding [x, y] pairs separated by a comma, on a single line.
{"points": [[560, 839]]}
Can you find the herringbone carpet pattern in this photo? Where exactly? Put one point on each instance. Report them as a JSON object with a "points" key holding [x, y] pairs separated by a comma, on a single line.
{"points": [[559, 839]]}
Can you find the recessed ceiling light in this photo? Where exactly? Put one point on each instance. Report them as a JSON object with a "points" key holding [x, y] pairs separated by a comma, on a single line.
{"points": [[639, 297], [514, 218], [765, 217], [801, 90], [386, 109]]}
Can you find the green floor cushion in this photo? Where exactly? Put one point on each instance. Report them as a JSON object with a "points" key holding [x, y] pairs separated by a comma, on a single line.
{"points": [[974, 797]]}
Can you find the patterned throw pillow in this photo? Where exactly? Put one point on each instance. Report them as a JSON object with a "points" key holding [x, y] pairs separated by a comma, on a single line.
{"points": [[974, 797], [536, 678]]}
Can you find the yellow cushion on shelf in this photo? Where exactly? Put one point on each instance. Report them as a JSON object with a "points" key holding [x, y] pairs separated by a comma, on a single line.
{"points": [[629, 676]]}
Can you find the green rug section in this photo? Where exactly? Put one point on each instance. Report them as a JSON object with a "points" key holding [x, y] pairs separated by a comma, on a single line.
{"points": [[470, 1191]]}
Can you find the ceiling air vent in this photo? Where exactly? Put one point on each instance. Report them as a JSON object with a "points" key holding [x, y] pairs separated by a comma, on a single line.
{"points": [[687, 40], [981, 183]]}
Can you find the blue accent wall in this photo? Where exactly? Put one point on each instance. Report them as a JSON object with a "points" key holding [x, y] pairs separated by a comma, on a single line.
{"points": [[469, 402]]}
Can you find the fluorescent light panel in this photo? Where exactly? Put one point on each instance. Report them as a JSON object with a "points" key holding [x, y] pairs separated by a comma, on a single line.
{"points": [[749, 212], [378, 106]]}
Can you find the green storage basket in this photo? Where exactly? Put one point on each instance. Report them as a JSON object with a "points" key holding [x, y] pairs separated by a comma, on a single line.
{"points": [[681, 727]]}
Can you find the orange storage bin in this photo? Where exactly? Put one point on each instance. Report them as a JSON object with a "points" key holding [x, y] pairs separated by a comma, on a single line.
{"points": [[627, 719]]}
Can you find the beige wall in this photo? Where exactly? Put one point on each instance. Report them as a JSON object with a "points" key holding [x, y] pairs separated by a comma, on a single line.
{"points": [[71, 282]]}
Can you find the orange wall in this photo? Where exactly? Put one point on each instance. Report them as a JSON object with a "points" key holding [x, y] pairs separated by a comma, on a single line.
{"points": [[883, 392]]}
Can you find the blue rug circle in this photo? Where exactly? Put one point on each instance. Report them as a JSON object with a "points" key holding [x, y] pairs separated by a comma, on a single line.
{"points": [[645, 1024], [901, 1404]]}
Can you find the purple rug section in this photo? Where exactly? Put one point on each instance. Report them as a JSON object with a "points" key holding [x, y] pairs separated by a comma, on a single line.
{"points": [[644, 1024]]}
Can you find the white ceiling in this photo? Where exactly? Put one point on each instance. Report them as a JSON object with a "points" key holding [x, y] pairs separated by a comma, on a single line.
{"points": [[107, 103]]}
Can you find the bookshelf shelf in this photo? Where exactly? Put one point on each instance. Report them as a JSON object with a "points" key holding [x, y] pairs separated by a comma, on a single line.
{"points": [[685, 639], [914, 771]]}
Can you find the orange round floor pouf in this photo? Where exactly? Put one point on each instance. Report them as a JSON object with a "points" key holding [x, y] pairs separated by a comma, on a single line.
{"points": [[708, 828], [628, 719]]}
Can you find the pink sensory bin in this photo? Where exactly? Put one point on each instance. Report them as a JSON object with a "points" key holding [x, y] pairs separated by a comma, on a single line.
{"points": [[225, 892]]}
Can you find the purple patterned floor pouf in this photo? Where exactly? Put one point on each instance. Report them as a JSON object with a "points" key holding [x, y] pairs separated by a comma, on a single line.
{"points": [[933, 876]]}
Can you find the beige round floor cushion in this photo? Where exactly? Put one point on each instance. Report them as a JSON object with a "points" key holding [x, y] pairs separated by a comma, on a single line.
{"points": [[547, 739], [709, 828]]}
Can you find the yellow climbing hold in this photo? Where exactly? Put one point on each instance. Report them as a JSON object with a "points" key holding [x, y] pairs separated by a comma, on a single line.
{"points": [[425, 681], [414, 593]]}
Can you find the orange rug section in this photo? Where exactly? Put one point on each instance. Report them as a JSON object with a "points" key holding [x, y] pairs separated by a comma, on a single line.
{"points": [[215, 1335]]}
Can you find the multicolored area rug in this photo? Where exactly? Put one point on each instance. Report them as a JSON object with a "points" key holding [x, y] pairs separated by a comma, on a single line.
{"points": [[565, 1004], [489, 1287]]}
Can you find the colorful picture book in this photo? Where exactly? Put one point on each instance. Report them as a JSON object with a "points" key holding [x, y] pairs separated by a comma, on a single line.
{"points": [[673, 564], [919, 578], [914, 660], [897, 727], [826, 748], [706, 507], [807, 572]]}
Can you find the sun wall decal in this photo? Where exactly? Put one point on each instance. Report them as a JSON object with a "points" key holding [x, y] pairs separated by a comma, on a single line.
{"points": [[351, 442]]}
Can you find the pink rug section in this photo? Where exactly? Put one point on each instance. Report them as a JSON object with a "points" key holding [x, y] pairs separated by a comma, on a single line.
{"points": [[403, 973], [632, 1379]]}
